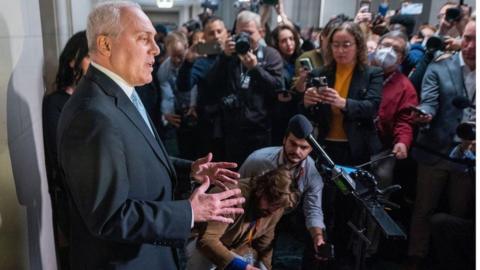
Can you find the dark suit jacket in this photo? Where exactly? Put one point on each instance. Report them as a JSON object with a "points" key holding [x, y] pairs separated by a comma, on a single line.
{"points": [[363, 101], [120, 182]]}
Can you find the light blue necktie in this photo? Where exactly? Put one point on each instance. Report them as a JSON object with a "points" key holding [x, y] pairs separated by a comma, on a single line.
{"points": [[139, 105]]}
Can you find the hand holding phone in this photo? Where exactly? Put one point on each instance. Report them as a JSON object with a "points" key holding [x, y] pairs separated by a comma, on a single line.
{"points": [[326, 251], [365, 6], [421, 117], [418, 110], [210, 48], [306, 64]]}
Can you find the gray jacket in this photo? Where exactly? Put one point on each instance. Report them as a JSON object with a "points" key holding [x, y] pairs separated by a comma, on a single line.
{"points": [[442, 82], [310, 183]]}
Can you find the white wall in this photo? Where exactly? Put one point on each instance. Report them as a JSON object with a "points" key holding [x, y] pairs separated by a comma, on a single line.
{"points": [[26, 239]]}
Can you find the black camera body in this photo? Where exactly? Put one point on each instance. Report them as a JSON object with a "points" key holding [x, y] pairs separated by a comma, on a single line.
{"points": [[242, 43], [467, 131], [192, 25], [435, 43]]}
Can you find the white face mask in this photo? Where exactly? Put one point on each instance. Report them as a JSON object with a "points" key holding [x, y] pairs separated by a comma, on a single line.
{"points": [[386, 57]]}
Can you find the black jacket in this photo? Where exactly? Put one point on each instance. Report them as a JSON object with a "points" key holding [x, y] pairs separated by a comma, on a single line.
{"points": [[250, 111], [363, 101]]}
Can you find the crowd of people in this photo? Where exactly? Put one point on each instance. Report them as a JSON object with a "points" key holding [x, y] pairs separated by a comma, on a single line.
{"points": [[129, 96]]}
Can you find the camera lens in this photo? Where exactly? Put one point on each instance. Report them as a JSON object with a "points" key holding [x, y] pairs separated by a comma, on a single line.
{"points": [[466, 131], [242, 43], [435, 43]]}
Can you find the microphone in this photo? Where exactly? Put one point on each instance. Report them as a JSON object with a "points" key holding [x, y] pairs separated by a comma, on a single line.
{"points": [[301, 128], [462, 102]]}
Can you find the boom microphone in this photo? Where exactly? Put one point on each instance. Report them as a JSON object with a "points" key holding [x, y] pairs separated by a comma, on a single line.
{"points": [[301, 128]]}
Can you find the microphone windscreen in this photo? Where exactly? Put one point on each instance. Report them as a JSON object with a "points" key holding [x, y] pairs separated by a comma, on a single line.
{"points": [[461, 102], [299, 126]]}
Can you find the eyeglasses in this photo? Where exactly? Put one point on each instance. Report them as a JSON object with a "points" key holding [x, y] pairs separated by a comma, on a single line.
{"points": [[344, 45]]}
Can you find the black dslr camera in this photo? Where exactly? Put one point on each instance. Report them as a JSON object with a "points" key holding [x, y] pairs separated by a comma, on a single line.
{"points": [[435, 43], [467, 131], [242, 43]]}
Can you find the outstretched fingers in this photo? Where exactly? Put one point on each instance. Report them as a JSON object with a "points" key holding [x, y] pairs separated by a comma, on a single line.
{"points": [[221, 219], [232, 202], [227, 194], [227, 165]]}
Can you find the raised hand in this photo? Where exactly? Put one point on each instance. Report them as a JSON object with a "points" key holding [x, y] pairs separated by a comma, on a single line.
{"points": [[249, 60], [217, 172], [215, 207]]}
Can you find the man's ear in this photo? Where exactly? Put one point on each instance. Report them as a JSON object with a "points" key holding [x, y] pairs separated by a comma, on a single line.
{"points": [[104, 45]]}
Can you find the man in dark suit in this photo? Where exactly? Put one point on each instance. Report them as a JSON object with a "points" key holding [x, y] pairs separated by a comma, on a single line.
{"points": [[117, 174]]}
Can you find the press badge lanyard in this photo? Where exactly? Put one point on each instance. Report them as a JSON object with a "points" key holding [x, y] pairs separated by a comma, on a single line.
{"points": [[249, 258], [252, 228]]}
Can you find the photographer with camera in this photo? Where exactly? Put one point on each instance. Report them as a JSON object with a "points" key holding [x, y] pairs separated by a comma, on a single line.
{"points": [[246, 79], [451, 23], [193, 79], [344, 111], [452, 20], [445, 81]]}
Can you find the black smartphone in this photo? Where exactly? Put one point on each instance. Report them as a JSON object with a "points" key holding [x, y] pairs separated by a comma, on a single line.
{"points": [[418, 110], [210, 48], [326, 251], [306, 63], [365, 6]]}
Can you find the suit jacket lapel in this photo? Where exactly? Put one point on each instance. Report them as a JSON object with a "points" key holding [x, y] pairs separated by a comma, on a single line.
{"points": [[127, 107], [164, 150]]}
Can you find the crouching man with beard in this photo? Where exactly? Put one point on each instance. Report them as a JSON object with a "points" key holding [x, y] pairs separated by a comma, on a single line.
{"points": [[247, 243]]}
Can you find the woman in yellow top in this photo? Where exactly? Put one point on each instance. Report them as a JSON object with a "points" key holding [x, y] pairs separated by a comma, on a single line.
{"points": [[344, 112]]}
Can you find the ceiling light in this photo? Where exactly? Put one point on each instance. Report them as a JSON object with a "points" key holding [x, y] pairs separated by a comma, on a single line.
{"points": [[165, 3]]}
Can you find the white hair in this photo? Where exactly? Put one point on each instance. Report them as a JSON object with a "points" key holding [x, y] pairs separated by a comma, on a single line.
{"points": [[104, 19], [247, 16]]}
